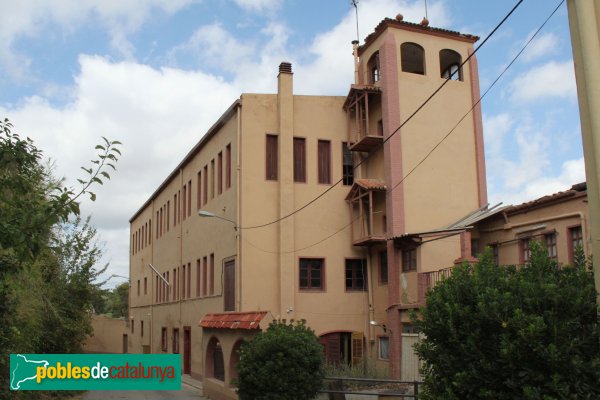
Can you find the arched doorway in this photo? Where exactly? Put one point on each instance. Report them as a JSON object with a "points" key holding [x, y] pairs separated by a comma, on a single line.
{"points": [[215, 365], [234, 360]]}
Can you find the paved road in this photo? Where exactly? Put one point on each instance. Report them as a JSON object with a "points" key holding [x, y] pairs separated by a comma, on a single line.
{"points": [[186, 393]]}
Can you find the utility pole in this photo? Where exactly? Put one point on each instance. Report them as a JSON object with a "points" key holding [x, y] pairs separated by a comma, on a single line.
{"points": [[584, 22]]}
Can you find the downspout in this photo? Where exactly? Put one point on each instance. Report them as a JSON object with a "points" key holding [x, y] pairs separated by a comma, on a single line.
{"points": [[239, 203], [179, 326]]}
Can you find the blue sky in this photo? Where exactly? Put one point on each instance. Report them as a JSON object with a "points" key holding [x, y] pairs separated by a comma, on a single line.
{"points": [[155, 74]]}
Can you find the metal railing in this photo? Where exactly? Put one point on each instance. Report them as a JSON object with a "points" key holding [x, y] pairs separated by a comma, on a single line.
{"points": [[371, 387]]}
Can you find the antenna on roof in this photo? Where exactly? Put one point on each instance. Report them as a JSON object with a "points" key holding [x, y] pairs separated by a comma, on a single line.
{"points": [[354, 3], [426, 16]]}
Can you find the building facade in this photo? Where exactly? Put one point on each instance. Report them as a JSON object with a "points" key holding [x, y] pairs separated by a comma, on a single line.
{"points": [[320, 208]]}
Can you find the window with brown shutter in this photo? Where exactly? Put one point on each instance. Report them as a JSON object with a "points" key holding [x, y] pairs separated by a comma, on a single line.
{"points": [[271, 158], [189, 207], [324, 160], [220, 173], [184, 201], [175, 209], [347, 165], [199, 190], [211, 275], [229, 286], [299, 160], [212, 178], [205, 189], [228, 166]]}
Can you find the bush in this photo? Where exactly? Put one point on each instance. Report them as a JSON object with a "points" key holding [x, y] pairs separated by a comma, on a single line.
{"points": [[508, 333], [284, 362]]}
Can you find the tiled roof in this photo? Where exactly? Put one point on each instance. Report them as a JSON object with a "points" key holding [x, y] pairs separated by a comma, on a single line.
{"points": [[578, 189], [233, 320], [370, 184], [413, 26]]}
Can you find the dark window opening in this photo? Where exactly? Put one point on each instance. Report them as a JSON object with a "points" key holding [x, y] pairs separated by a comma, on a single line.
{"points": [[412, 58], [311, 273], [383, 267], [324, 161], [347, 165], [271, 158], [299, 160], [450, 62], [356, 274], [409, 260], [373, 67]]}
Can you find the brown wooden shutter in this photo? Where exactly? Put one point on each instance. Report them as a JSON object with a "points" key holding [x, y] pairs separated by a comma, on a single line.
{"points": [[229, 286], [331, 347], [299, 160], [324, 160], [271, 158], [357, 347]]}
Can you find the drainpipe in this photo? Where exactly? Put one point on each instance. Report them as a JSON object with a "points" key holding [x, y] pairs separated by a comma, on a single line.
{"points": [[355, 53]]}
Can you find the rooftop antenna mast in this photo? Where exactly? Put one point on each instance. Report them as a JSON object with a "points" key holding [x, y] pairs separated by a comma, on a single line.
{"points": [[354, 3], [426, 16]]}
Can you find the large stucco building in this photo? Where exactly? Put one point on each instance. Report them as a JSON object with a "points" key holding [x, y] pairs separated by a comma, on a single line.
{"points": [[328, 209]]}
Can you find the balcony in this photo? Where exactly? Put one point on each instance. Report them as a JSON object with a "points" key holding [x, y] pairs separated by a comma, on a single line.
{"points": [[364, 121], [367, 209], [427, 281]]}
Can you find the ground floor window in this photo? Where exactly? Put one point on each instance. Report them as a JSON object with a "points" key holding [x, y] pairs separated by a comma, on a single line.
{"points": [[384, 348]]}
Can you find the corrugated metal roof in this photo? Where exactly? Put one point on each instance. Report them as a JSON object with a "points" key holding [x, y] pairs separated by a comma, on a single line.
{"points": [[234, 320]]}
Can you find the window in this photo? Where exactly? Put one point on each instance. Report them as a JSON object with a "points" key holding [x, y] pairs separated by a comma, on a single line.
{"points": [[189, 197], [199, 190], [356, 274], [409, 260], [204, 270], [299, 159], [413, 58], [373, 67], [311, 273], [271, 158], [175, 340], [496, 253], [228, 166], [384, 348], [198, 269], [175, 292], [347, 165], [183, 282], [138, 287], [550, 240], [211, 276], [324, 160], [175, 209], [575, 241], [383, 267], [156, 298], [474, 247], [525, 250], [212, 178], [205, 188], [229, 286], [450, 62], [220, 173], [132, 325], [189, 280], [150, 231], [163, 339], [184, 200], [142, 328], [179, 208], [145, 285]]}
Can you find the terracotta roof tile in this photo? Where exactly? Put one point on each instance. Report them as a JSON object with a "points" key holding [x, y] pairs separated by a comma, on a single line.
{"points": [[370, 184], [233, 320], [576, 189]]}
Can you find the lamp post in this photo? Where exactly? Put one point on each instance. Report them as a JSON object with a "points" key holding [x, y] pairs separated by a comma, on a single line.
{"points": [[208, 214]]}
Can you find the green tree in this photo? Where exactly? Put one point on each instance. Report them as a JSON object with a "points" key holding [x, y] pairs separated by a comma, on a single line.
{"points": [[512, 333], [48, 256], [284, 362]]}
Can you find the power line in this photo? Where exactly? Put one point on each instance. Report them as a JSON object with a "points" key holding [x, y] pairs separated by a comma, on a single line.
{"points": [[438, 144], [435, 92]]}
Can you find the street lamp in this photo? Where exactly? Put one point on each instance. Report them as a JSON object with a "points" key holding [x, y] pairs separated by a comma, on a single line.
{"points": [[208, 214], [383, 326]]}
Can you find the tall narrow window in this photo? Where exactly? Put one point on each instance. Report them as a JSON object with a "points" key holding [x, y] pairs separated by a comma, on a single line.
{"points": [[228, 166], [496, 253], [450, 62], [178, 207], [324, 160], [356, 274], [156, 298], [211, 275], [143, 235], [204, 273], [175, 291], [189, 280], [220, 173], [138, 287], [575, 241], [198, 271], [550, 240], [183, 284], [229, 286], [145, 285], [409, 260], [199, 190], [413, 58], [311, 273], [189, 197], [175, 209], [212, 178], [161, 221], [347, 165], [168, 214], [150, 233], [373, 67], [299, 159], [271, 158], [205, 186], [525, 247], [184, 200]]}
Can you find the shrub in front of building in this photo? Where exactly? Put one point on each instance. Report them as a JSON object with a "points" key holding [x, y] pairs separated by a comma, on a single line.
{"points": [[494, 332], [285, 362]]}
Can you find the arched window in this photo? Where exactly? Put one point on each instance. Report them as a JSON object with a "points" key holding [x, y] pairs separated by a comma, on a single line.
{"points": [[413, 58], [450, 62], [234, 360], [373, 67]]}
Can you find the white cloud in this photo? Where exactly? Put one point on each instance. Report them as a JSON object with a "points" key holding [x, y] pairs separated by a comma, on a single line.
{"points": [[27, 18], [552, 79], [496, 129], [157, 114], [259, 6], [542, 46]]}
